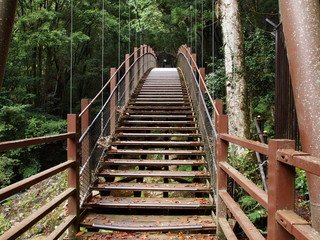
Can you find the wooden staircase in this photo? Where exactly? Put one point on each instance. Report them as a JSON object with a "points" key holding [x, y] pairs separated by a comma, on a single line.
{"points": [[153, 182]]}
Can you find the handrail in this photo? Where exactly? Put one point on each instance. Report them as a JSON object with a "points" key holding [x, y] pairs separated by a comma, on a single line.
{"points": [[5, 146], [30, 181], [21, 227], [202, 97], [72, 194], [113, 75], [278, 201], [108, 99], [200, 77]]}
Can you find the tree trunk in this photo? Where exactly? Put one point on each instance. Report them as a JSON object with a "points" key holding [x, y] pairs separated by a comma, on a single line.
{"points": [[234, 65]]}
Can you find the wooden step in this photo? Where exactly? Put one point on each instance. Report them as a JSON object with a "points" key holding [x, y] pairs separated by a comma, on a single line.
{"points": [[152, 162], [154, 203], [158, 99], [160, 103], [157, 135], [163, 187], [160, 107], [150, 122], [151, 111], [149, 222], [157, 116], [156, 143], [144, 235], [162, 95], [150, 173], [153, 152], [179, 129]]}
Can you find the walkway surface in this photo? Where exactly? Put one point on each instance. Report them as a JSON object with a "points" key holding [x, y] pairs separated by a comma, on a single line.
{"points": [[152, 182]]}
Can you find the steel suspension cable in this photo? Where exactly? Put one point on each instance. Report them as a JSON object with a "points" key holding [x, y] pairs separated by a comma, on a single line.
{"points": [[102, 58], [71, 57], [195, 26], [202, 40], [129, 27], [119, 29], [213, 35]]}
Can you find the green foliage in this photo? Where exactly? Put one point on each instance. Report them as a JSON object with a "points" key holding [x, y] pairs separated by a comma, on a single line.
{"points": [[301, 182], [18, 121], [260, 60], [252, 209]]}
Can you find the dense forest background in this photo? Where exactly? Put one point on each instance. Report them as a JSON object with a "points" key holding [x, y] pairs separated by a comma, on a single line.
{"points": [[35, 97]]}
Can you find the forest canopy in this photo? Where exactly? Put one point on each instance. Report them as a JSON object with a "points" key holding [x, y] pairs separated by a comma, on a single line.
{"points": [[35, 96]]}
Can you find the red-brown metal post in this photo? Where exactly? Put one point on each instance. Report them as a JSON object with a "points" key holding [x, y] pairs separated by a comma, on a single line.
{"points": [[7, 14], [280, 189], [193, 63], [189, 56], [301, 25], [85, 120], [73, 174], [203, 75], [141, 72], [135, 67], [127, 78], [221, 126], [85, 144], [113, 100]]}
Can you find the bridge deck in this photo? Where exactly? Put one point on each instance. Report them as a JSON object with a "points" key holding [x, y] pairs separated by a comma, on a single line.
{"points": [[153, 182]]}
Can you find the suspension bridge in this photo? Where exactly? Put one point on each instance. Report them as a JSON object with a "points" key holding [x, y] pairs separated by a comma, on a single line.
{"points": [[152, 163]]}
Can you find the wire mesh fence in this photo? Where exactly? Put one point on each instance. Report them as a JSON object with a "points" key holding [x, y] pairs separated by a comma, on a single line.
{"points": [[201, 106], [113, 98]]}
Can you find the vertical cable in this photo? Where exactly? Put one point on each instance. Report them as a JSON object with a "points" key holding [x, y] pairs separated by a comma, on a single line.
{"points": [[213, 35], [129, 27], [213, 93], [195, 27], [71, 56], [119, 39], [102, 59], [191, 30], [202, 39], [136, 8]]}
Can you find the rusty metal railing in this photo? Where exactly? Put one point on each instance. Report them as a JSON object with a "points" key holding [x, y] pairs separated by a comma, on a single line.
{"points": [[283, 222], [71, 194], [97, 133], [82, 150], [202, 102]]}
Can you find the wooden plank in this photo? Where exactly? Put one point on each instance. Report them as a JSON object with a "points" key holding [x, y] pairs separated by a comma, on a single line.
{"points": [[23, 226], [30, 181], [257, 193], [145, 221], [251, 231], [62, 228], [252, 145], [153, 203], [193, 187], [157, 135], [5, 146], [159, 152], [169, 122], [152, 162], [227, 230], [159, 107], [296, 225], [300, 160], [180, 129], [147, 173], [144, 235], [157, 143]]}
